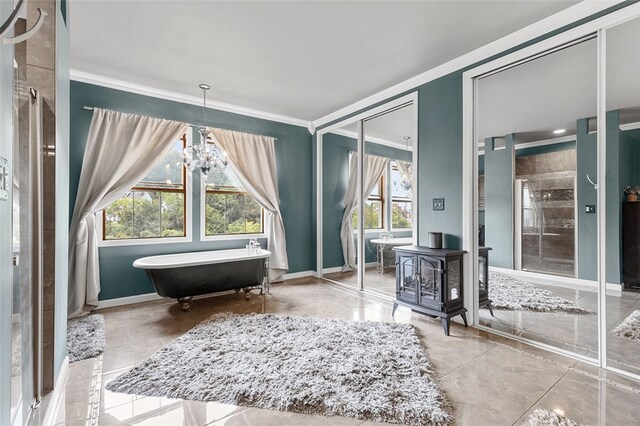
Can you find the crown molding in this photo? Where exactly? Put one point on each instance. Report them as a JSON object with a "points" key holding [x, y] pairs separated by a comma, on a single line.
{"points": [[630, 126], [98, 80], [372, 139], [551, 23]]}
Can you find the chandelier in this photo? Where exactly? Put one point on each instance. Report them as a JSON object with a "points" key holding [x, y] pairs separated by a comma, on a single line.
{"points": [[406, 180], [204, 156]]}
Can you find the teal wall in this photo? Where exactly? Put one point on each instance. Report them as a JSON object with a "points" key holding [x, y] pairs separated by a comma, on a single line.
{"points": [[335, 177], [294, 165], [6, 290], [498, 199], [586, 163]]}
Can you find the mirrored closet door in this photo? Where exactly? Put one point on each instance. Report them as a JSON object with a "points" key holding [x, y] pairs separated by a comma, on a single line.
{"points": [[340, 205], [357, 245], [622, 206], [536, 159], [388, 199]]}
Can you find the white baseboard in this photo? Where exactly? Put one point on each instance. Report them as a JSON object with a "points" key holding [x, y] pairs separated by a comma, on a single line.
{"points": [[339, 268], [150, 297], [51, 414], [565, 282], [130, 300], [295, 275]]}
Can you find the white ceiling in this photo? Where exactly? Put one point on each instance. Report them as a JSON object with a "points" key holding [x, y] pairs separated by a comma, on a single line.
{"points": [[391, 127], [299, 59], [554, 91]]}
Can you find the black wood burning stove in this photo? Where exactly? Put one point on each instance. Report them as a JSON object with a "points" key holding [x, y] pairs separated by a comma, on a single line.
{"points": [[483, 279], [430, 281]]}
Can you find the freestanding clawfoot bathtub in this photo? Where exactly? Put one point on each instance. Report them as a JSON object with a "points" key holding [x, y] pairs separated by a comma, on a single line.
{"points": [[182, 276]]}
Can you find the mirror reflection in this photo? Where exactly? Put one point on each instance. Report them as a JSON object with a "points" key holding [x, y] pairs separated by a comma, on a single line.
{"points": [[536, 211], [623, 209], [388, 209]]}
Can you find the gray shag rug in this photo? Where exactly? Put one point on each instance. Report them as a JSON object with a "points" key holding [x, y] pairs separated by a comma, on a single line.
{"points": [[542, 417], [511, 294], [85, 337], [630, 327], [364, 370]]}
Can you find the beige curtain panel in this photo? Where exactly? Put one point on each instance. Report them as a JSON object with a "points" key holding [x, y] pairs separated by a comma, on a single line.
{"points": [[121, 149], [253, 159], [374, 167]]}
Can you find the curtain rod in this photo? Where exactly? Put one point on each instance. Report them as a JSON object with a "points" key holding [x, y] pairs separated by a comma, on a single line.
{"points": [[90, 108]]}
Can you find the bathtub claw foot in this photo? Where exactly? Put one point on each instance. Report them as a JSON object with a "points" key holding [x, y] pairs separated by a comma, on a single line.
{"points": [[185, 302], [237, 290], [247, 293]]}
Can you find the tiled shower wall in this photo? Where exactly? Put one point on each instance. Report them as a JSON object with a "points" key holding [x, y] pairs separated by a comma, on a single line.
{"points": [[41, 74]]}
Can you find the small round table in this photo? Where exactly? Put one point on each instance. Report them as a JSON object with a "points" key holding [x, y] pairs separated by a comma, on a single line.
{"points": [[391, 242]]}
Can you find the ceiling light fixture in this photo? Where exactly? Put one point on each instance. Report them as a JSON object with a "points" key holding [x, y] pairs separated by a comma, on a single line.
{"points": [[406, 180], [204, 156], [559, 131]]}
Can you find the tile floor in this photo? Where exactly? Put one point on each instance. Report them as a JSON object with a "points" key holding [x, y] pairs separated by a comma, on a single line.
{"points": [[489, 380], [575, 333]]}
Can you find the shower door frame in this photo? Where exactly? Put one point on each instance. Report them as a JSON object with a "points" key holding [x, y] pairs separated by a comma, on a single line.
{"points": [[596, 28]]}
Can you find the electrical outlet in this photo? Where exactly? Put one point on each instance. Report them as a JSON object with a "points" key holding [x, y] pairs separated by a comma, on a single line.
{"points": [[438, 204], [590, 208]]}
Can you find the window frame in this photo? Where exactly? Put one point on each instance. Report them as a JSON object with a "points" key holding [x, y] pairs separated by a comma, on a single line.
{"points": [[381, 199], [394, 166], [222, 237], [187, 210]]}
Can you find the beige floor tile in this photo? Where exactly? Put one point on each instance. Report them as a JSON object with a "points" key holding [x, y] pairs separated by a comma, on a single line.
{"points": [[497, 387], [487, 378], [590, 401]]}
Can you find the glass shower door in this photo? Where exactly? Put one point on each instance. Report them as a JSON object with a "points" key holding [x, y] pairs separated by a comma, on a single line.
{"points": [[547, 212], [26, 236]]}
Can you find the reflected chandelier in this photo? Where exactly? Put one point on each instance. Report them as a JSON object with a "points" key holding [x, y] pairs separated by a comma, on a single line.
{"points": [[204, 156], [406, 180]]}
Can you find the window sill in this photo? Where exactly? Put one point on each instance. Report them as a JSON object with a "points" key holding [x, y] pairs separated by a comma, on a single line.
{"points": [[231, 237], [143, 241]]}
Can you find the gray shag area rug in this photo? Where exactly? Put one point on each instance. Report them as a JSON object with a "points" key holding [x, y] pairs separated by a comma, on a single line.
{"points": [[85, 337], [630, 327], [364, 370], [511, 294], [542, 417]]}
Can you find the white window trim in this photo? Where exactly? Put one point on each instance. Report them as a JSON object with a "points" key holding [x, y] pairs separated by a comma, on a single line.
{"points": [[157, 240]]}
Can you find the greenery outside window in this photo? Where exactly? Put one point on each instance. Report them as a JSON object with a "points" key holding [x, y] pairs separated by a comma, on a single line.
{"points": [[155, 208], [373, 209], [228, 209], [401, 201]]}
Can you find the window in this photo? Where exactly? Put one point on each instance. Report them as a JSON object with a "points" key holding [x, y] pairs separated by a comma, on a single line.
{"points": [[229, 210], [400, 200], [155, 207], [373, 209]]}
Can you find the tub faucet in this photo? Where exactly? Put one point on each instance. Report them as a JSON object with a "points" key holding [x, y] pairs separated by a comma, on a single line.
{"points": [[253, 247]]}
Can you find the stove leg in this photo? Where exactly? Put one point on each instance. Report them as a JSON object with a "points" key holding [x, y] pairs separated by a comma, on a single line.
{"points": [[395, 306], [490, 309], [247, 293], [464, 318], [445, 324]]}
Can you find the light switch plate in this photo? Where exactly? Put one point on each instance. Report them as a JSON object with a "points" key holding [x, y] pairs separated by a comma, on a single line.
{"points": [[438, 204], [4, 179]]}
